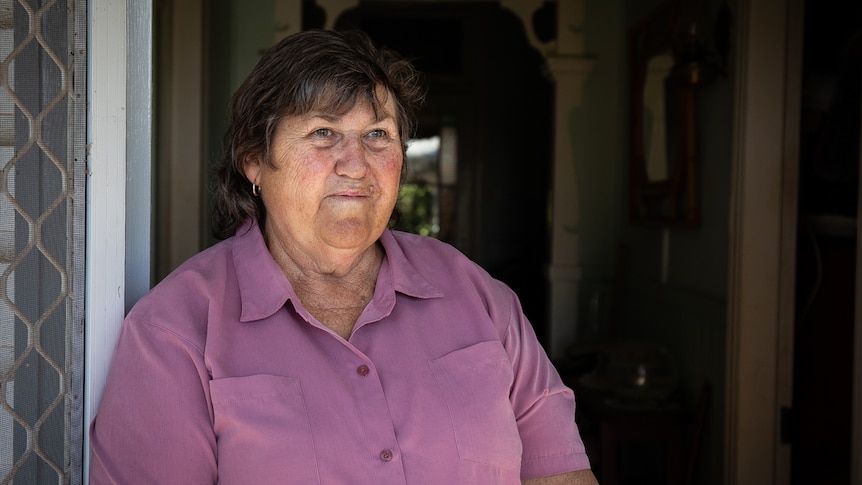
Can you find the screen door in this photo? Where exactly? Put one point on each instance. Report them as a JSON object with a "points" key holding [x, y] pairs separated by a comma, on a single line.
{"points": [[42, 190]]}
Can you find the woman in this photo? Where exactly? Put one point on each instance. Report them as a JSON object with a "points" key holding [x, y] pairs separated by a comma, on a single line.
{"points": [[314, 345]]}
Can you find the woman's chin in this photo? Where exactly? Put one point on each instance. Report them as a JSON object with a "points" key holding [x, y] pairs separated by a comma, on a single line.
{"points": [[350, 234]]}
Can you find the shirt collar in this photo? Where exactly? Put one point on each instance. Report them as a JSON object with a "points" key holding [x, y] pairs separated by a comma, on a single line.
{"points": [[406, 277], [264, 289]]}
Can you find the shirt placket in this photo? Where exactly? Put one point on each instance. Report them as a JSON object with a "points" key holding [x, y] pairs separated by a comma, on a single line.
{"points": [[383, 450]]}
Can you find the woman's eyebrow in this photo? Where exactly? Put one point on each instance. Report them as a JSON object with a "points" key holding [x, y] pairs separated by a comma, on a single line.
{"points": [[331, 117], [322, 115]]}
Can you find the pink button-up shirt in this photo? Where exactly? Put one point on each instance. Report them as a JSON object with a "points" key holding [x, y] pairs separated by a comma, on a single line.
{"points": [[221, 375]]}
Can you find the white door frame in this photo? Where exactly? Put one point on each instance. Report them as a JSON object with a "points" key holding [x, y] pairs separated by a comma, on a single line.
{"points": [[761, 263], [119, 162], [106, 193]]}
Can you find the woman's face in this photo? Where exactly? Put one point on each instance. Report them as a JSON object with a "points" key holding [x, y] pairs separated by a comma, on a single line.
{"points": [[335, 179]]}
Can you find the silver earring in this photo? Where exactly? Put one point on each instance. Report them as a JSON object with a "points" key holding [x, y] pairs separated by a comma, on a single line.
{"points": [[255, 189]]}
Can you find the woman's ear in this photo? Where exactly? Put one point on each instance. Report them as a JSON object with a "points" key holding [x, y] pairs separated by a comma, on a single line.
{"points": [[251, 168]]}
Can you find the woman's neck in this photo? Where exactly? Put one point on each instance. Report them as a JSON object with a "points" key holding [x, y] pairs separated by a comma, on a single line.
{"points": [[334, 293]]}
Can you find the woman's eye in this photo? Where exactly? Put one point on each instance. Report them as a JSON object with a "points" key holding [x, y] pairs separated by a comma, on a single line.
{"points": [[323, 132], [377, 134]]}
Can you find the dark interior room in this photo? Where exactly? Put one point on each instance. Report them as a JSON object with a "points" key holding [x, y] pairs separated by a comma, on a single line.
{"points": [[648, 272]]}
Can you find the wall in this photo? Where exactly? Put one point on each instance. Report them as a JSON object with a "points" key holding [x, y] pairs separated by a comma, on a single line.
{"points": [[237, 34]]}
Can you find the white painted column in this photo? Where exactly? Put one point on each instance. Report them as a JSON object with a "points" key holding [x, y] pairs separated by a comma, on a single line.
{"points": [[570, 69], [564, 271]]}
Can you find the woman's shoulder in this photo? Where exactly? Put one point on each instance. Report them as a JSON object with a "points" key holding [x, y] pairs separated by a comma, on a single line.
{"points": [[429, 253], [459, 279], [438, 260], [204, 269], [415, 244], [188, 291]]}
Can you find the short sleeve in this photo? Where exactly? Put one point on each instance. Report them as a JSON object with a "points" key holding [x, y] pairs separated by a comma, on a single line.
{"points": [[544, 407], [154, 424]]}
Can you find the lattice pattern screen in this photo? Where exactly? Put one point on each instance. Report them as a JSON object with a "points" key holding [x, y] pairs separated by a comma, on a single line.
{"points": [[42, 189]]}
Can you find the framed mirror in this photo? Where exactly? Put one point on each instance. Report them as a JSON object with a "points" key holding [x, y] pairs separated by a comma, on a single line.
{"points": [[663, 127]]}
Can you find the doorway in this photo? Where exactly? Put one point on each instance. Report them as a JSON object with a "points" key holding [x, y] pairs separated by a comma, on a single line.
{"points": [[823, 362], [487, 86]]}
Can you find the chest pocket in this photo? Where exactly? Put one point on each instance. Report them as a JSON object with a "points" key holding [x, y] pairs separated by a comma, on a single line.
{"points": [[475, 384], [263, 431]]}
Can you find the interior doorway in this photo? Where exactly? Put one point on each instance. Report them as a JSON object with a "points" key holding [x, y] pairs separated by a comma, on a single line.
{"points": [[488, 86]]}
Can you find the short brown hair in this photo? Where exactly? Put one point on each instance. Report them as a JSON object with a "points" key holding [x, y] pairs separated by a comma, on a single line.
{"points": [[308, 71]]}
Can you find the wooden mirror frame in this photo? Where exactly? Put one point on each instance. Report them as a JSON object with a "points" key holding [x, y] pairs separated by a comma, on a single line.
{"points": [[674, 200]]}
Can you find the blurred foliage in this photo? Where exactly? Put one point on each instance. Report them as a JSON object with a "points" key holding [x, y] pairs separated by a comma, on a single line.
{"points": [[416, 204]]}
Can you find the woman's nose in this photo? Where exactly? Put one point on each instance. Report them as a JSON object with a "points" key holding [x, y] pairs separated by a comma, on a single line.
{"points": [[352, 158]]}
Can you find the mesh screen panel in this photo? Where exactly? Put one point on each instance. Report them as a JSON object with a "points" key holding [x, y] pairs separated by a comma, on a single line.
{"points": [[42, 190]]}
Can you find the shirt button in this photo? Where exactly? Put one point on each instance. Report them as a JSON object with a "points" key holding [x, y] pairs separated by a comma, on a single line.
{"points": [[362, 370], [386, 455]]}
